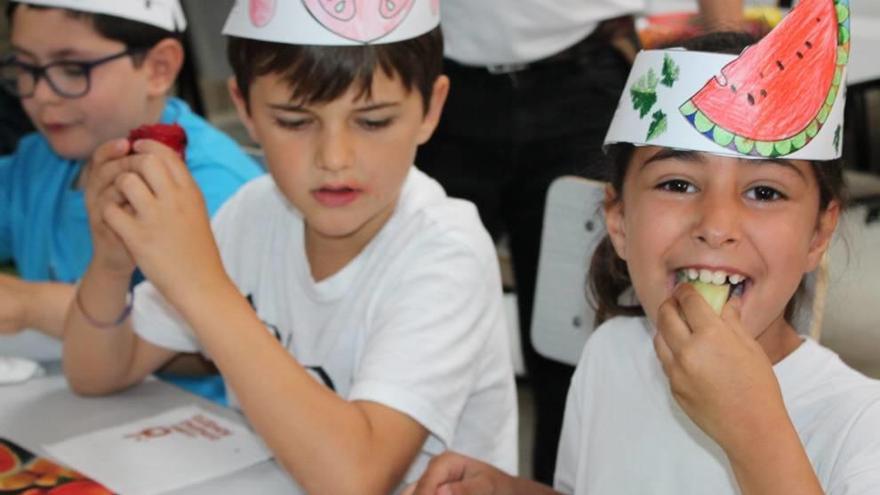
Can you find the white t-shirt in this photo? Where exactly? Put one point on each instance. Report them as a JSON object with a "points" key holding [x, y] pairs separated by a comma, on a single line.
{"points": [[414, 322], [625, 434], [492, 32]]}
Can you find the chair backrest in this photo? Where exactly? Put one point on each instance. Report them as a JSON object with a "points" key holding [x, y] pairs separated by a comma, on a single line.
{"points": [[562, 318], [851, 322]]}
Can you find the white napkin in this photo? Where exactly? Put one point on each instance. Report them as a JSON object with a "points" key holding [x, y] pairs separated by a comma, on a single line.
{"points": [[16, 370], [162, 453]]}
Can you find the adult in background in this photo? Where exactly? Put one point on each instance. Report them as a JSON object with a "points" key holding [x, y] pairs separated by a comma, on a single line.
{"points": [[524, 74]]}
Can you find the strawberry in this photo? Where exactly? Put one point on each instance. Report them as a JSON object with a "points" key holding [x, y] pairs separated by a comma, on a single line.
{"points": [[171, 135]]}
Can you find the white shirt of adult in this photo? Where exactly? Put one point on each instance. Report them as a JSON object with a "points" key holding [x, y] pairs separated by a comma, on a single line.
{"points": [[414, 322], [497, 32], [624, 433]]}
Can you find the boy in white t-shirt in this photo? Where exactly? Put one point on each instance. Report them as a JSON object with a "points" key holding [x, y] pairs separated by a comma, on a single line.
{"points": [[353, 309]]}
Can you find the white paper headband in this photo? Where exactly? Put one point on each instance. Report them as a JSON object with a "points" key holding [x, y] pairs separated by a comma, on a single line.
{"points": [[332, 22], [165, 14], [782, 97]]}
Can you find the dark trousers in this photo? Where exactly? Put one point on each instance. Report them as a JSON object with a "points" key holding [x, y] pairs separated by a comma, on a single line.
{"points": [[502, 140]]}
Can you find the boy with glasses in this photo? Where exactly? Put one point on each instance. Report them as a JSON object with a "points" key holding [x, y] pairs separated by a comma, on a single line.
{"points": [[86, 72]]}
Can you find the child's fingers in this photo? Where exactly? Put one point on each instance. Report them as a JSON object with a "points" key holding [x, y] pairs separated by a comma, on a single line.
{"points": [[694, 308], [121, 222], [675, 329], [135, 191], [443, 469], [175, 165], [155, 173], [111, 150], [664, 353]]}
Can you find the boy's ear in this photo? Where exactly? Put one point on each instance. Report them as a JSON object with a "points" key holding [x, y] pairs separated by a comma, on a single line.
{"points": [[613, 207], [825, 228], [435, 109], [163, 63], [241, 107]]}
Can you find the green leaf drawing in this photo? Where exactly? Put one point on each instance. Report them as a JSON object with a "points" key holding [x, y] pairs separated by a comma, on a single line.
{"points": [[670, 71], [658, 125], [644, 93], [837, 139]]}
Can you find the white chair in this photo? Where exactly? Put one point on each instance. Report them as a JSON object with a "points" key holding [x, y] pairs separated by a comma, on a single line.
{"points": [[851, 322], [562, 318]]}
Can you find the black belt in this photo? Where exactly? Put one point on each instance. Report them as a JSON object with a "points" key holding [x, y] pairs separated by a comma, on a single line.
{"points": [[600, 37]]}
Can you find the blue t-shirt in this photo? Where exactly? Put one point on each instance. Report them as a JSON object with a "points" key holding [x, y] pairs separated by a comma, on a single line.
{"points": [[44, 226]]}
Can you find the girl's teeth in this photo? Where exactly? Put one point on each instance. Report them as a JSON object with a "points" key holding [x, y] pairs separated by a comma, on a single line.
{"points": [[706, 276], [719, 278], [735, 279], [693, 274], [710, 277]]}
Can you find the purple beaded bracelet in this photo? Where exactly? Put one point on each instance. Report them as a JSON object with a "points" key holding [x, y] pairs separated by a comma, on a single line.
{"points": [[126, 311]]}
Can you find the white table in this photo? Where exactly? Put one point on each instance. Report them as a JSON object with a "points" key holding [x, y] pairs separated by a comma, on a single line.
{"points": [[44, 411]]}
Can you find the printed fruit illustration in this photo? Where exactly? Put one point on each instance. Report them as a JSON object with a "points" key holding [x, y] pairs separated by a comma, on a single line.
{"points": [[171, 135], [774, 98], [9, 462], [360, 20], [715, 295]]}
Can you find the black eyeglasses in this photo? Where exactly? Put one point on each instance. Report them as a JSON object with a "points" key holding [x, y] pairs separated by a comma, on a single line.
{"points": [[68, 78]]}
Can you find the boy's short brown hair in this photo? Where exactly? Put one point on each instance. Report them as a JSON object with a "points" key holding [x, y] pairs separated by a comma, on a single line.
{"points": [[319, 74], [134, 35]]}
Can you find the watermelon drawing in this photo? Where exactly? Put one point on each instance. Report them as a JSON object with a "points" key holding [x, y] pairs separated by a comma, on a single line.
{"points": [[776, 96], [9, 462]]}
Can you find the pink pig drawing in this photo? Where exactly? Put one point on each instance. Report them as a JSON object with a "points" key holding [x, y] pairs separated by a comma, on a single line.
{"points": [[360, 20], [261, 11]]}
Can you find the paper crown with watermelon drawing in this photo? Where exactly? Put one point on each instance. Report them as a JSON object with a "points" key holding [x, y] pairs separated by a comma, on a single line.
{"points": [[332, 22], [165, 14], [782, 97]]}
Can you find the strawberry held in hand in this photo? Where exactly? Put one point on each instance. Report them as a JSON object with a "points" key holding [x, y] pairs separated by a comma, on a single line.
{"points": [[171, 135]]}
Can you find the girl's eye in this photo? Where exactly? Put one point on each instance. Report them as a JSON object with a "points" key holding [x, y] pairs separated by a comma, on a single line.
{"points": [[677, 186], [375, 124], [764, 193], [295, 125]]}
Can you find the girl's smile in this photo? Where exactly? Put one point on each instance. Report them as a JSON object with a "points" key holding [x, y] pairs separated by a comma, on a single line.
{"points": [[751, 224]]}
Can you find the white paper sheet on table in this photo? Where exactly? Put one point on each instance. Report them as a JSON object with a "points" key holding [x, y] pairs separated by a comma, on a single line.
{"points": [[165, 452]]}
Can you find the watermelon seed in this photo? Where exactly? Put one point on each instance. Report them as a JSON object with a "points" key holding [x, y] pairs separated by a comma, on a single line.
{"points": [[733, 88], [800, 55], [779, 64], [764, 93], [809, 45], [751, 99]]}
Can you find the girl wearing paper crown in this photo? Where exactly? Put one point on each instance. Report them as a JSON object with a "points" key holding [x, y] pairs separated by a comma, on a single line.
{"points": [[721, 202], [352, 307], [86, 71]]}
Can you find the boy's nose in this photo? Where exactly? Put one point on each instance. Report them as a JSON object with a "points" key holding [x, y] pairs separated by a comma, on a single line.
{"points": [[43, 91], [336, 152], [718, 222]]}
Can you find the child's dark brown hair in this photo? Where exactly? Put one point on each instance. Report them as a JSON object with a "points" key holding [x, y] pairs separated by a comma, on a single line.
{"points": [[319, 74], [609, 277]]}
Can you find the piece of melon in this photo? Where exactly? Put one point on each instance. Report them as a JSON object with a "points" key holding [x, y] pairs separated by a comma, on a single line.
{"points": [[715, 295], [773, 99]]}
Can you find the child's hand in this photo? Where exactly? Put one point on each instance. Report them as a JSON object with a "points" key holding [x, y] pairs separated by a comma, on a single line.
{"points": [[166, 228], [454, 474], [104, 198], [718, 372]]}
